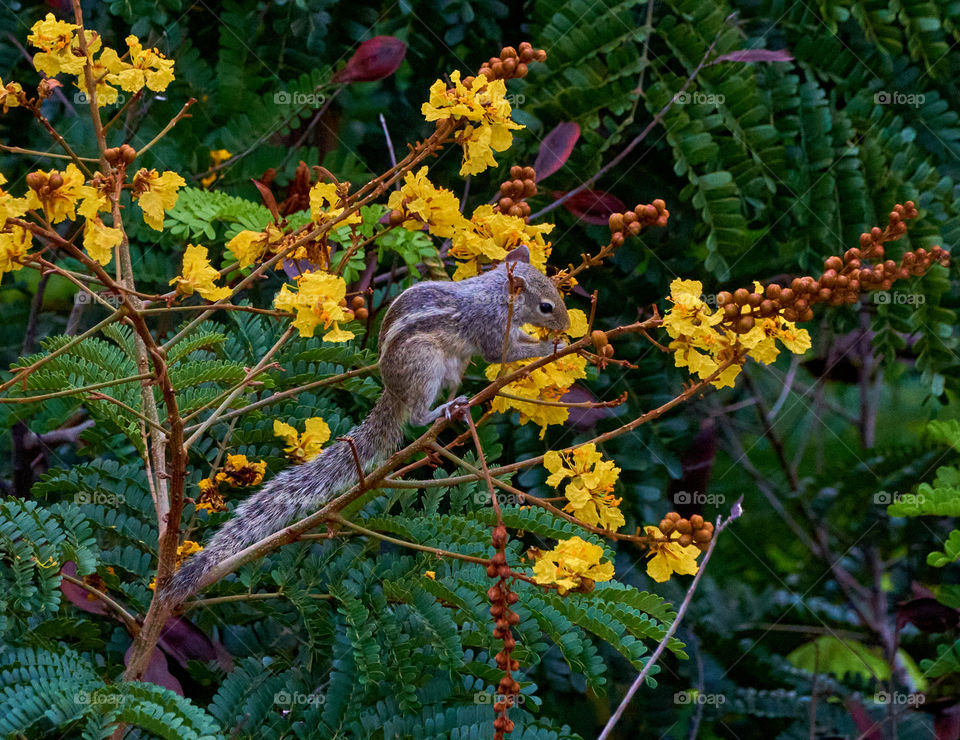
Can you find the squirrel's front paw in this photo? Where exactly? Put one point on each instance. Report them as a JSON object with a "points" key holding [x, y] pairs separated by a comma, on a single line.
{"points": [[456, 408]]}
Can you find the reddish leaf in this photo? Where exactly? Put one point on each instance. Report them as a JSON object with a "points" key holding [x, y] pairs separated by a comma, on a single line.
{"points": [[266, 195], [182, 640], [555, 149], [593, 206], [755, 55], [584, 419], [927, 615], [79, 597], [869, 729], [374, 59], [158, 672], [946, 723]]}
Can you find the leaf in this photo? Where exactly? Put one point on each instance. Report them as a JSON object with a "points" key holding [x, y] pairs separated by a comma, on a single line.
{"points": [[555, 149], [268, 200], [593, 206], [950, 554], [373, 60], [755, 55], [79, 597]]}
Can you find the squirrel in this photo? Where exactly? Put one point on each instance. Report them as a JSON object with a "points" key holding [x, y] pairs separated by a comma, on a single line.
{"points": [[427, 338]]}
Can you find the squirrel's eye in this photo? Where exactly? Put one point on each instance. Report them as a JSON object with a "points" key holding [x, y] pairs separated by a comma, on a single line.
{"points": [[546, 307]]}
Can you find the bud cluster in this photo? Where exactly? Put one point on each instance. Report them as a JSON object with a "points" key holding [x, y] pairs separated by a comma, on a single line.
{"points": [[358, 308], [514, 192], [44, 184], [693, 531], [653, 214], [860, 269], [117, 154], [511, 64], [501, 598]]}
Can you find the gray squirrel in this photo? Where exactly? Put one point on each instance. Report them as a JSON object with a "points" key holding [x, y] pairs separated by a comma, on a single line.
{"points": [[427, 338]]}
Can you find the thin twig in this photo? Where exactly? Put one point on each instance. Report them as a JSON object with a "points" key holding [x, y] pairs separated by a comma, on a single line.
{"points": [[720, 525]]}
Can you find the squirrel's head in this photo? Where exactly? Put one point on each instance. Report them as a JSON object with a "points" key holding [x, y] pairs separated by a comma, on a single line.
{"points": [[538, 301]]}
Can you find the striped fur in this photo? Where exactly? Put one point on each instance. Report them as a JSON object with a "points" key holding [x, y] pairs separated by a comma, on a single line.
{"points": [[427, 339]]}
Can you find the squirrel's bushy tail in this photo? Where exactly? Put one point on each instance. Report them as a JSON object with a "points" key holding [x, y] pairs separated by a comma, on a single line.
{"points": [[295, 492]]}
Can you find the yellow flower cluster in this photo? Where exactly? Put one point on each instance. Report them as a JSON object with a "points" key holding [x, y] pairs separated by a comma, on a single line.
{"points": [[14, 240], [10, 95], [303, 447], [326, 205], [199, 276], [702, 344], [589, 491], [238, 471], [569, 563], [249, 246], [487, 236], [156, 193], [59, 46], [667, 558], [217, 157], [548, 383], [485, 106], [318, 301]]}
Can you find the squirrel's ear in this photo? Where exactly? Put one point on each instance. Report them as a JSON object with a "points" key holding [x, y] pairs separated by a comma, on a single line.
{"points": [[520, 254]]}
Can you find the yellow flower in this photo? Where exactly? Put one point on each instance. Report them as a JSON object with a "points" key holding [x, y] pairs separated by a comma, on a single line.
{"points": [[318, 302], [210, 499], [105, 93], [100, 240], [667, 558], [199, 275], [424, 203], [188, 548], [547, 383], [485, 106], [156, 193], [249, 246], [57, 193], [569, 563], [326, 205], [306, 446], [147, 67], [59, 46], [9, 95], [489, 235], [238, 471], [702, 344], [217, 156], [590, 490], [14, 243], [578, 323], [431, 574], [10, 207]]}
